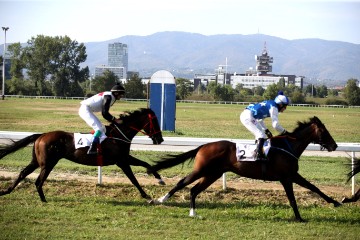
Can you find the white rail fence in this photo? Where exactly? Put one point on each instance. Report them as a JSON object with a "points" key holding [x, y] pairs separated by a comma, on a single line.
{"points": [[182, 144]]}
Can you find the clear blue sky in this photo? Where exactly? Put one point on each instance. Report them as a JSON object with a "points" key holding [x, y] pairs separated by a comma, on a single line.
{"points": [[93, 20]]}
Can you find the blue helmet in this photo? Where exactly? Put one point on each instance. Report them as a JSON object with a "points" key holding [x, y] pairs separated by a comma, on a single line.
{"points": [[282, 99]]}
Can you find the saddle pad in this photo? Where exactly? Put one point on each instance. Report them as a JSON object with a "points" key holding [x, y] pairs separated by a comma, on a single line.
{"points": [[84, 139], [246, 152]]}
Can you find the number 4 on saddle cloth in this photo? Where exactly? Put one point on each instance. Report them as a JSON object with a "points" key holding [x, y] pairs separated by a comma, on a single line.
{"points": [[247, 152], [84, 139]]}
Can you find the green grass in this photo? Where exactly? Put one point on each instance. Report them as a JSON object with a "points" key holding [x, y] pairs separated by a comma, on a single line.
{"points": [[84, 210], [192, 120], [114, 211]]}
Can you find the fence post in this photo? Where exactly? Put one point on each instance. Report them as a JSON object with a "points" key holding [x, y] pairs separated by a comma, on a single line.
{"points": [[352, 169], [99, 175], [224, 181]]}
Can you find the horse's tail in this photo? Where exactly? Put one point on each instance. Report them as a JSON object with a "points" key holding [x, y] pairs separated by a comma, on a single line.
{"points": [[7, 149], [173, 160], [355, 170]]}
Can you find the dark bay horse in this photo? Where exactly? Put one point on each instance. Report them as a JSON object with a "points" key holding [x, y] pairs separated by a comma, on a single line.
{"points": [[356, 170], [213, 159], [50, 147]]}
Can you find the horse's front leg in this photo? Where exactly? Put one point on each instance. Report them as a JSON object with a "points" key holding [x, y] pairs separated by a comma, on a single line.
{"points": [[288, 186], [298, 179], [137, 162], [129, 173]]}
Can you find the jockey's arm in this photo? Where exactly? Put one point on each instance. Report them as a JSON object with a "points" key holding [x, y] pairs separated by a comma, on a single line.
{"points": [[274, 113], [106, 107]]}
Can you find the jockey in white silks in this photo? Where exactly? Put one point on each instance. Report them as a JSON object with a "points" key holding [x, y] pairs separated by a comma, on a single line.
{"points": [[252, 118], [100, 102]]}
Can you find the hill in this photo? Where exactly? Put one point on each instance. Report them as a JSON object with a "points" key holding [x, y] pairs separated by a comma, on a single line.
{"points": [[182, 53]]}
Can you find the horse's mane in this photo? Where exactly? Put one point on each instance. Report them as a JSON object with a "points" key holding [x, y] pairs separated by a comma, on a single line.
{"points": [[302, 125], [129, 116]]}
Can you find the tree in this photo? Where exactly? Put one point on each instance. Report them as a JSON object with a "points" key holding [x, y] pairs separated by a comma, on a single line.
{"points": [[259, 90], [53, 65], [352, 92], [135, 88], [322, 91], [271, 91], [65, 67], [297, 97], [183, 88], [104, 82]]}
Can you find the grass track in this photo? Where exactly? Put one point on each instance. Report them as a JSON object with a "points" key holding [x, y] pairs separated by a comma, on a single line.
{"points": [[84, 210]]}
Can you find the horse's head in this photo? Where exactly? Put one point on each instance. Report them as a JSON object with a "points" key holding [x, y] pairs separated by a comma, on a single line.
{"points": [[321, 135], [143, 120], [151, 126]]}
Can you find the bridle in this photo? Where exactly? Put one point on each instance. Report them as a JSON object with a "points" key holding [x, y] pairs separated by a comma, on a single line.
{"points": [[152, 127], [150, 134]]}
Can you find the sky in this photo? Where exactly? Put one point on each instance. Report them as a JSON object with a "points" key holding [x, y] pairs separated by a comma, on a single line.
{"points": [[95, 21]]}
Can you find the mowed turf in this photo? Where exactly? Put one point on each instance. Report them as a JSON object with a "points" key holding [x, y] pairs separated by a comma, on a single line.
{"points": [[80, 209], [192, 119]]}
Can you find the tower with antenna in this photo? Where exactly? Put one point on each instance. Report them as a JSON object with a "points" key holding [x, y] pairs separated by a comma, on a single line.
{"points": [[263, 62]]}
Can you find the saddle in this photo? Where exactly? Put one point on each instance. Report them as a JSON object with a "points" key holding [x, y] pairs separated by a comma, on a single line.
{"points": [[247, 152]]}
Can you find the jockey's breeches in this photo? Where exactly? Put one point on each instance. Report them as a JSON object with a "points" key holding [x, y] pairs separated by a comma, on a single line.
{"points": [[251, 124], [90, 118]]}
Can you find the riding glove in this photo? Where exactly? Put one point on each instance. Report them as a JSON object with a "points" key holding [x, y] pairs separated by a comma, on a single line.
{"points": [[268, 133]]}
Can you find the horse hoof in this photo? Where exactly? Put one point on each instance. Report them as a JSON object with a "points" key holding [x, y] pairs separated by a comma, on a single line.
{"points": [[345, 200], [161, 182], [151, 201], [337, 204], [156, 202]]}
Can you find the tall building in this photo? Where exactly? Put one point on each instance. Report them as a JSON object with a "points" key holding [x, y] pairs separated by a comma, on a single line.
{"points": [[263, 62], [117, 61], [118, 55]]}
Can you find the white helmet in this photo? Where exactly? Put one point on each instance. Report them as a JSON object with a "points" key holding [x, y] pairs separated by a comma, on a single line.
{"points": [[282, 99]]}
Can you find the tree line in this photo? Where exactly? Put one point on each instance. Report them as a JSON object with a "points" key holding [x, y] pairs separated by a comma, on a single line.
{"points": [[51, 66]]}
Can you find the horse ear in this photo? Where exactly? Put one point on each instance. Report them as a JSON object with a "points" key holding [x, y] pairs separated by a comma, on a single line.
{"points": [[315, 119]]}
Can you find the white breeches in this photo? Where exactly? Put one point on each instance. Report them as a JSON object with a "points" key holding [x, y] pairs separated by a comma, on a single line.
{"points": [[90, 118], [252, 124]]}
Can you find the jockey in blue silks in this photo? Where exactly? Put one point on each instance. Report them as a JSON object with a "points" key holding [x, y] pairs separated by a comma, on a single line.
{"points": [[253, 115]]}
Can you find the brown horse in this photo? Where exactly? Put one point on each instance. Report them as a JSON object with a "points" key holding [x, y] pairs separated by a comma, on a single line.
{"points": [[213, 159], [50, 147], [356, 170]]}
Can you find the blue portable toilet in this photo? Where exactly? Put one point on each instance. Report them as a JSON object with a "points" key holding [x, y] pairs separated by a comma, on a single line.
{"points": [[163, 99]]}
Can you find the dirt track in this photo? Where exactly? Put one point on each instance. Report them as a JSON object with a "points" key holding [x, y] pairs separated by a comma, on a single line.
{"points": [[147, 180]]}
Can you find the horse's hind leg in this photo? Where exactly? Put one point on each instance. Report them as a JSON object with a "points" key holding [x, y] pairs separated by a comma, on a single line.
{"points": [[180, 185], [203, 184], [137, 162], [23, 174], [44, 173], [354, 198]]}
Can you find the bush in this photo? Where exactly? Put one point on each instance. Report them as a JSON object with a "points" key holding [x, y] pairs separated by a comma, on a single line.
{"points": [[333, 101]]}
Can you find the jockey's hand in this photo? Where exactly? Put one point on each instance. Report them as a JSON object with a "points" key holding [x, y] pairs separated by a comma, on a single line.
{"points": [[268, 133], [285, 132]]}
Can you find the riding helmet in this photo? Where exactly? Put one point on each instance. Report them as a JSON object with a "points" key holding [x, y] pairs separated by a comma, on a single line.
{"points": [[282, 99], [118, 88]]}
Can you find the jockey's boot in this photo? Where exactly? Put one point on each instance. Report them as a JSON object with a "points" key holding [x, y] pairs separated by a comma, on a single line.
{"points": [[259, 154], [93, 147]]}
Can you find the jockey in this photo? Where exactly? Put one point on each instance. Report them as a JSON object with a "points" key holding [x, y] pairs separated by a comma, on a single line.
{"points": [[100, 102], [253, 115]]}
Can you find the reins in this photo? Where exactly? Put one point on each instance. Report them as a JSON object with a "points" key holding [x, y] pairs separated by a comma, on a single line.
{"points": [[152, 130]]}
